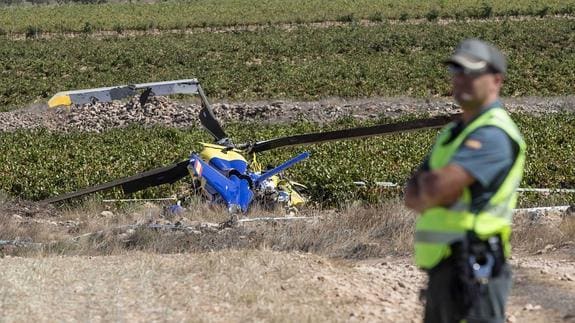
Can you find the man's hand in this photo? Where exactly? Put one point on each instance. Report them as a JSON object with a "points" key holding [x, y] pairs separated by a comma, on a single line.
{"points": [[411, 194], [441, 187]]}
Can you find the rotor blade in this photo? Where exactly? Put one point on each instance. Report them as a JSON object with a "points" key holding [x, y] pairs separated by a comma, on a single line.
{"points": [[208, 119], [164, 175], [319, 137], [154, 177], [211, 124], [107, 94]]}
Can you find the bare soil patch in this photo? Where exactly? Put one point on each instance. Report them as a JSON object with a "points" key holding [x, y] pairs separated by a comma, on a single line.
{"points": [[100, 34], [348, 265], [244, 285]]}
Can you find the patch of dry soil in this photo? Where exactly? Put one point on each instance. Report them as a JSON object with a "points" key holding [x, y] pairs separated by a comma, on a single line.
{"points": [[260, 285]]}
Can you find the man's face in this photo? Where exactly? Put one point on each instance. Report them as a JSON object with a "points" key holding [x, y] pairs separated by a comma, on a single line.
{"points": [[475, 90]]}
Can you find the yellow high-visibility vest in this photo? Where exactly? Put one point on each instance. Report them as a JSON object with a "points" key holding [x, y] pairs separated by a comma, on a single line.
{"points": [[438, 227]]}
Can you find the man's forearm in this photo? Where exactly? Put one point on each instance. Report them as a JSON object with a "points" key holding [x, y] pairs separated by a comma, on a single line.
{"points": [[442, 187], [412, 198], [427, 184], [435, 188]]}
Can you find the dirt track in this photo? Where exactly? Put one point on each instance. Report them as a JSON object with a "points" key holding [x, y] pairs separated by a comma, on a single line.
{"points": [[359, 269], [256, 285], [162, 111], [281, 26]]}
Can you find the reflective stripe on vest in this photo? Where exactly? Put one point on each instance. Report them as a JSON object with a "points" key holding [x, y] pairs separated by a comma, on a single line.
{"points": [[438, 227]]}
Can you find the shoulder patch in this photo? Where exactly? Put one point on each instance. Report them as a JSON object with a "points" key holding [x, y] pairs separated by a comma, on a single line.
{"points": [[473, 144]]}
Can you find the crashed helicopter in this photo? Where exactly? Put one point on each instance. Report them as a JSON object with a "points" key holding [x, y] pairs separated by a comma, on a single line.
{"points": [[223, 171]]}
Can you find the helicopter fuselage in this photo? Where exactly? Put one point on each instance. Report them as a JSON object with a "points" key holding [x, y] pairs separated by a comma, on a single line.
{"points": [[225, 175]]}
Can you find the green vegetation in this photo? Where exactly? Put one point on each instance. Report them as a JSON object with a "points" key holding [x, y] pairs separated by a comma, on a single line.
{"points": [[354, 60], [306, 63], [38, 164], [212, 13]]}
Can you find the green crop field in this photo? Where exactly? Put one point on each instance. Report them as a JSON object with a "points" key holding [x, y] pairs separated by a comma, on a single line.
{"points": [[306, 63], [213, 13], [273, 69], [38, 164], [392, 57]]}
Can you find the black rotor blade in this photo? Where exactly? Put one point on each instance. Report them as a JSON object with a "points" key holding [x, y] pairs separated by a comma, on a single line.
{"points": [[154, 177], [163, 175], [145, 96], [208, 119], [319, 137]]}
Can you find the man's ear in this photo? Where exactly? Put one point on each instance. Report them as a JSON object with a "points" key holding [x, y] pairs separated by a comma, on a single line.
{"points": [[498, 78]]}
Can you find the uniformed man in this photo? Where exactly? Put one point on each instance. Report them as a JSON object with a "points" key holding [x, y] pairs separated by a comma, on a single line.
{"points": [[465, 191]]}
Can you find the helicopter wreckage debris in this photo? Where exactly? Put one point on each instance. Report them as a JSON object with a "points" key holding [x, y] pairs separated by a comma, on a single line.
{"points": [[125, 231]]}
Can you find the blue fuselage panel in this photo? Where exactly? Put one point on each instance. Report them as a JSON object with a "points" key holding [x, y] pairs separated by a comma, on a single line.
{"points": [[225, 166]]}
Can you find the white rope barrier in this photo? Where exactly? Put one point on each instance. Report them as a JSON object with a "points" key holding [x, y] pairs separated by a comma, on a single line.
{"points": [[546, 190], [560, 208], [141, 200], [287, 218]]}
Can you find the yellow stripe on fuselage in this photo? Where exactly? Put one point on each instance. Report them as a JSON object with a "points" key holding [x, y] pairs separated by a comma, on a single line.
{"points": [[216, 151]]}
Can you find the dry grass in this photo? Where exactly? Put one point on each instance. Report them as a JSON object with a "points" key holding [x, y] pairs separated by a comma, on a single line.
{"points": [[228, 275], [18, 221], [533, 234], [356, 232], [227, 286], [236, 274]]}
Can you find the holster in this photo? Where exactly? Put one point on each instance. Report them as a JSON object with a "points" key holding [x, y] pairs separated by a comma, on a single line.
{"points": [[472, 270]]}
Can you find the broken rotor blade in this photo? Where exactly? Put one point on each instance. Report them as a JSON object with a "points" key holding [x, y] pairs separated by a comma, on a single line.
{"points": [[208, 119], [352, 133], [154, 177], [107, 94]]}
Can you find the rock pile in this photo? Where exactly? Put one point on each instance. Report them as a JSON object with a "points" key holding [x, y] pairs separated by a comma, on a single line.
{"points": [[98, 117]]}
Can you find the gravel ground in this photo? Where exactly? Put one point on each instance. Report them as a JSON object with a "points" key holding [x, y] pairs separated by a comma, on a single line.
{"points": [[253, 285], [226, 286], [249, 284], [163, 111]]}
